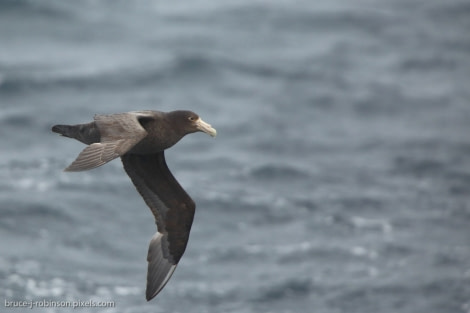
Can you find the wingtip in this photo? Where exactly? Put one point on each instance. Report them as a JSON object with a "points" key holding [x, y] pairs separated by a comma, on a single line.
{"points": [[159, 270], [156, 284], [74, 168], [77, 167], [149, 297]]}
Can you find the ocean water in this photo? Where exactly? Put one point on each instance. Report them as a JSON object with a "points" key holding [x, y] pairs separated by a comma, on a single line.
{"points": [[339, 180]]}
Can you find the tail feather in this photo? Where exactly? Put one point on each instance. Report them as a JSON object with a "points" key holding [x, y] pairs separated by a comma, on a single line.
{"points": [[86, 133], [65, 130]]}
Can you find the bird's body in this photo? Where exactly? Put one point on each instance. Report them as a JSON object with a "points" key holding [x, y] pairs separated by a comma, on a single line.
{"points": [[140, 139]]}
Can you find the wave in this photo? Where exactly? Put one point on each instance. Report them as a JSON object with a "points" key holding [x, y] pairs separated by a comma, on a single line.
{"points": [[31, 215], [212, 68], [277, 172], [298, 287], [20, 79], [44, 9]]}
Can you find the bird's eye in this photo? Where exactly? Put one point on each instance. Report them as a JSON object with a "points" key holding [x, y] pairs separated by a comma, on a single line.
{"points": [[191, 118]]}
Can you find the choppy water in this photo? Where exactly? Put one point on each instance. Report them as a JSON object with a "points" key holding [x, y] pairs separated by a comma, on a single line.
{"points": [[339, 181]]}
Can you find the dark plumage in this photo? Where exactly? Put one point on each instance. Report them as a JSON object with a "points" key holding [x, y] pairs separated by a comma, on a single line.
{"points": [[140, 139]]}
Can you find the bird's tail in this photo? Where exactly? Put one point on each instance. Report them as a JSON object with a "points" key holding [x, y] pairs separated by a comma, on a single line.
{"points": [[86, 133], [66, 130]]}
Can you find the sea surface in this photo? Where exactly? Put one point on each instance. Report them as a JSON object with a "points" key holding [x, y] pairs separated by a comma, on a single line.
{"points": [[339, 180]]}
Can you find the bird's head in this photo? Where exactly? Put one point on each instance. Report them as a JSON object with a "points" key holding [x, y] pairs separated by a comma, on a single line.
{"points": [[190, 122]]}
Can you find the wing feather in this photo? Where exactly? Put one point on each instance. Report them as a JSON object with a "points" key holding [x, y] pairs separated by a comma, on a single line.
{"points": [[160, 269], [173, 209], [119, 133]]}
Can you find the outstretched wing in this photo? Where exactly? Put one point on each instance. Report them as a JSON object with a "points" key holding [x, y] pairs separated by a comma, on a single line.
{"points": [[119, 133], [173, 209]]}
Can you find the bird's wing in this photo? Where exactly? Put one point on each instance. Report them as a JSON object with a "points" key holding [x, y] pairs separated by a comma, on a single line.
{"points": [[173, 209], [119, 133]]}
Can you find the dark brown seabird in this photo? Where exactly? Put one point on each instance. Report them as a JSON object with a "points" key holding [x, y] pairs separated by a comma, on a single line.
{"points": [[140, 139]]}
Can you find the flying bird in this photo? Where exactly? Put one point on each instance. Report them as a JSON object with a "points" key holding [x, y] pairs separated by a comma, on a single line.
{"points": [[140, 138]]}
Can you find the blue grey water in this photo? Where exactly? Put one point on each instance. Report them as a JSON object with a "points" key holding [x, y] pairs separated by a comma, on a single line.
{"points": [[339, 181]]}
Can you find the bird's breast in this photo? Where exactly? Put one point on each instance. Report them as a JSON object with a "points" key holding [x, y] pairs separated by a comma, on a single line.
{"points": [[151, 145]]}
